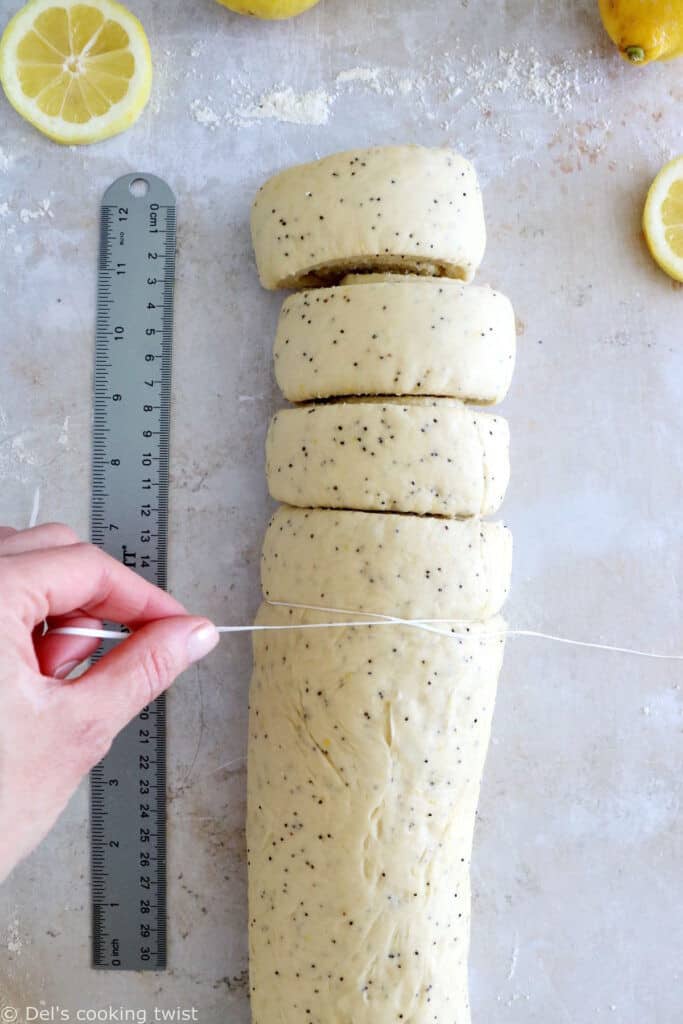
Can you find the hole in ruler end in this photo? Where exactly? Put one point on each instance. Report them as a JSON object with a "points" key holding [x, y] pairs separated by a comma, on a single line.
{"points": [[139, 188]]}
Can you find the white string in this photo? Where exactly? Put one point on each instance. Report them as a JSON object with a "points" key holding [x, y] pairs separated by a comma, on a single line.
{"points": [[586, 643], [427, 625], [113, 634]]}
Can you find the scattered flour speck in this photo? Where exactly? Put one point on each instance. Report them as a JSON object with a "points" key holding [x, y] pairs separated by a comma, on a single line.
{"points": [[63, 438], [287, 106], [493, 83], [42, 210], [204, 115], [369, 76], [554, 84], [14, 943], [21, 453]]}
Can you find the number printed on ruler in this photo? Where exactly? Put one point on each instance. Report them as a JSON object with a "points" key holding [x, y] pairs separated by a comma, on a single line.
{"points": [[129, 520]]}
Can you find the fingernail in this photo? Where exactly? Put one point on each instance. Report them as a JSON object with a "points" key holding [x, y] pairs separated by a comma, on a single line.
{"points": [[202, 640], [66, 669]]}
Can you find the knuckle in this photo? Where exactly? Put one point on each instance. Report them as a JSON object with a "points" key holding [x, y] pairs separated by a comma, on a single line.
{"points": [[156, 672], [59, 534]]}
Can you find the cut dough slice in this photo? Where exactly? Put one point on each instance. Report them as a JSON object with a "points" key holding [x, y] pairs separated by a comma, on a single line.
{"points": [[405, 566], [396, 335], [366, 753], [397, 207], [427, 456]]}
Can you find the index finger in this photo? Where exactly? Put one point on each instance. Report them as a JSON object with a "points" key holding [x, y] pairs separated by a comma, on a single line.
{"points": [[80, 577]]}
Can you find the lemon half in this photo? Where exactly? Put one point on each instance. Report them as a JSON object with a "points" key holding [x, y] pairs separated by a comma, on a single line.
{"points": [[271, 10], [663, 218], [79, 72]]}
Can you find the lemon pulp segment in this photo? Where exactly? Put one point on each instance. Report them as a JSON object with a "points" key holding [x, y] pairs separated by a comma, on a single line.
{"points": [[672, 217]]}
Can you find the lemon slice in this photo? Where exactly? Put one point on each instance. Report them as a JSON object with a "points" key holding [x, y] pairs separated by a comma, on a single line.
{"points": [[79, 72], [663, 218]]}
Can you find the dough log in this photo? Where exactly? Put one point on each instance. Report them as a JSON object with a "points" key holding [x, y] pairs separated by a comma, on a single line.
{"points": [[394, 335], [366, 751], [367, 743], [426, 456], [403, 208]]}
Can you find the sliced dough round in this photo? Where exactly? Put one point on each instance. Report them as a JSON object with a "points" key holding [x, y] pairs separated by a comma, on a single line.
{"points": [[394, 335], [427, 456], [404, 566], [395, 207], [366, 752]]}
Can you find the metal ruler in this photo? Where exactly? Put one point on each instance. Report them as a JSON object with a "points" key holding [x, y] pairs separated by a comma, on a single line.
{"points": [[129, 518]]}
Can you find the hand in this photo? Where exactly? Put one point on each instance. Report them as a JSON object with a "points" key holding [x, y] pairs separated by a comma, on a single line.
{"points": [[52, 732]]}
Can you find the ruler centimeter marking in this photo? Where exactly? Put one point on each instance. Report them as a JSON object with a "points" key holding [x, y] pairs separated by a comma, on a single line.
{"points": [[129, 520]]}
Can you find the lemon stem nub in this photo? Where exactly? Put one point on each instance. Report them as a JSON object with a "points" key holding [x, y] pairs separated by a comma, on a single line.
{"points": [[636, 54]]}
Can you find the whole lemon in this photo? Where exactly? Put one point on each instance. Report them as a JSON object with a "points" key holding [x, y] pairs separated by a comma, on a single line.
{"points": [[644, 30], [270, 9]]}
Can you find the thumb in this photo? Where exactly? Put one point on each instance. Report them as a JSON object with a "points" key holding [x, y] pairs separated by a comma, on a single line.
{"points": [[133, 675]]}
